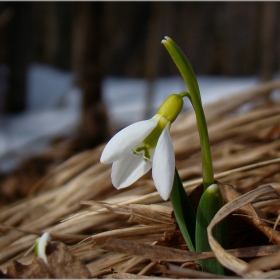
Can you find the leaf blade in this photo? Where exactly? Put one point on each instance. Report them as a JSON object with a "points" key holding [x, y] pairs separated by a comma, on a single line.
{"points": [[183, 211]]}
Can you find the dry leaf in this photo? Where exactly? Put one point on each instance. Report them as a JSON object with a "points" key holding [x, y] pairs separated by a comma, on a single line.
{"points": [[151, 214], [226, 259], [190, 273], [253, 215], [121, 275], [61, 264], [265, 263], [245, 152], [162, 253], [37, 269], [133, 232]]}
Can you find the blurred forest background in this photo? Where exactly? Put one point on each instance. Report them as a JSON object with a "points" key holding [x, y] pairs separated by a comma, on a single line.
{"points": [[98, 39]]}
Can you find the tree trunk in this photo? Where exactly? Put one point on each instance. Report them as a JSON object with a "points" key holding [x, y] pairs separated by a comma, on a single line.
{"points": [[19, 51], [87, 46]]}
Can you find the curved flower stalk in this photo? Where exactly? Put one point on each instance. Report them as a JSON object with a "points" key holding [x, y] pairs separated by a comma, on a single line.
{"points": [[211, 200], [40, 246], [145, 145], [189, 77]]}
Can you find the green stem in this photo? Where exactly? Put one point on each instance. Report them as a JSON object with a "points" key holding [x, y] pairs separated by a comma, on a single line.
{"points": [[189, 77], [211, 200], [207, 167]]}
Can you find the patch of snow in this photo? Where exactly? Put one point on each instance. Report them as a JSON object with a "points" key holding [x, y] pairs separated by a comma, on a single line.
{"points": [[54, 106], [125, 98], [53, 109], [45, 86]]}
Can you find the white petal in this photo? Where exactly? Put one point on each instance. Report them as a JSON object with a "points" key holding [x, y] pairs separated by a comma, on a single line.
{"points": [[164, 164], [127, 139], [128, 170], [42, 243]]}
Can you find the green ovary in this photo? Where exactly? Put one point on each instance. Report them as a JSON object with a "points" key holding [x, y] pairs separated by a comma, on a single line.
{"points": [[171, 107]]}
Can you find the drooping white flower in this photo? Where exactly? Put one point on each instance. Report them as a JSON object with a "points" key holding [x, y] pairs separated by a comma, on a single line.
{"points": [[40, 246], [145, 145]]}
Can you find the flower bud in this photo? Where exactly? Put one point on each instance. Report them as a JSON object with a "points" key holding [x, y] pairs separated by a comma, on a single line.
{"points": [[171, 107]]}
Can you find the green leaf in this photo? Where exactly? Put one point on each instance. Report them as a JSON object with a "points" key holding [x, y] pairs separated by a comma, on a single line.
{"points": [[210, 203], [183, 210]]}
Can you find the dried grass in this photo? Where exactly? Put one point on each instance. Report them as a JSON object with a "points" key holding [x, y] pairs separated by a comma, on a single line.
{"points": [[115, 232]]}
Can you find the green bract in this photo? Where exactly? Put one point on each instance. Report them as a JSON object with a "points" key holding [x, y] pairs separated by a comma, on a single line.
{"points": [[209, 204]]}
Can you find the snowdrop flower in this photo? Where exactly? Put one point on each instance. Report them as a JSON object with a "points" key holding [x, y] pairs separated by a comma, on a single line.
{"points": [[40, 246], [145, 145]]}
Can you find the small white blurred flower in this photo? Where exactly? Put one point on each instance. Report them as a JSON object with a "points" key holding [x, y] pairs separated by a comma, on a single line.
{"points": [[40, 246]]}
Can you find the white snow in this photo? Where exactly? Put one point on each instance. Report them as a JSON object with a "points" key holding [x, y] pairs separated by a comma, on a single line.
{"points": [[53, 109], [125, 98]]}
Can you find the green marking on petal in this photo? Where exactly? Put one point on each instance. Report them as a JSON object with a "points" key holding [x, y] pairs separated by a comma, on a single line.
{"points": [[144, 151], [150, 142]]}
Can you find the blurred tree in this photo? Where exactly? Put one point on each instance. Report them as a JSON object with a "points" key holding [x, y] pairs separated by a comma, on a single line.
{"points": [[88, 68], [269, 41], [19, 41], [53, 27], [97, 39]]}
